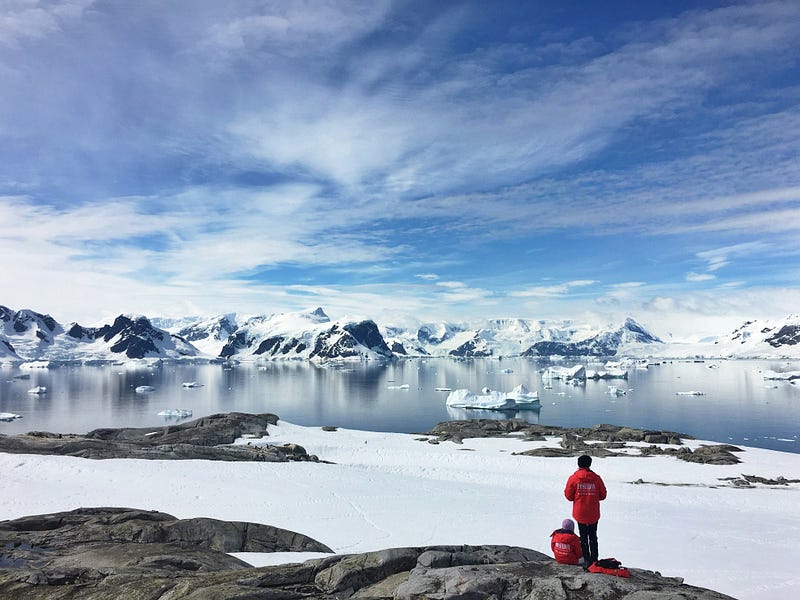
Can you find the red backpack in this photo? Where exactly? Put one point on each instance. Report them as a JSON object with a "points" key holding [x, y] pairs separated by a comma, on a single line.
{"points": [[609, 566]]}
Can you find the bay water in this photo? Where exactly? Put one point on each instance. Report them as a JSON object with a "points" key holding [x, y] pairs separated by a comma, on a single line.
{"points": [[737, 406]]}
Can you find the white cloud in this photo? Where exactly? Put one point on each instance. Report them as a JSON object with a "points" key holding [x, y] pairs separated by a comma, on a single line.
{"points": [[551, 291], [718, 258], [697, 277]]}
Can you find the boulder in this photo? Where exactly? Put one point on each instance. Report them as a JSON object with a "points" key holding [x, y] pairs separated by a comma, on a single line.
{"points": [[208, 438], [157, 570]]}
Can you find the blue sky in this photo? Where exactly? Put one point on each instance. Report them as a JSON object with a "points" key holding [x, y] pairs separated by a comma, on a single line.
{"points": [[442, 160]]}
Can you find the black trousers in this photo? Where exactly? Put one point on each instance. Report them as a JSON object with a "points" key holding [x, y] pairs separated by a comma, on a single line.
{"points": [[588, 541]]}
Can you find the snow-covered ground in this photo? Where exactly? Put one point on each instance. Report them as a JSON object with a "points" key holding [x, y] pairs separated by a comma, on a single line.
{"points": [[389, 490]]}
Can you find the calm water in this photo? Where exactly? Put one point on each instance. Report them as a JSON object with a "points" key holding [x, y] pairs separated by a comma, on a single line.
{"points": [[738, 405]]}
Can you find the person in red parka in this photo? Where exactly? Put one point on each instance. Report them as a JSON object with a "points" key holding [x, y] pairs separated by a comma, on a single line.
{"points": [[585, 489], [566, 546]]}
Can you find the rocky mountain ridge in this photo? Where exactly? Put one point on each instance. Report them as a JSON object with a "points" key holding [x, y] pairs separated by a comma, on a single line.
{"points": [[26, 335]]}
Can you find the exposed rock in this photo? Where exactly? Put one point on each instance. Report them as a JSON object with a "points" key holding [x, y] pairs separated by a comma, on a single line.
{"points": [[605, 439], [208, 438], [720, 454], [158, 570]]}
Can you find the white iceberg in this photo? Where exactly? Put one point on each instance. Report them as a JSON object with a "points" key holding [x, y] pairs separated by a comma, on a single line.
{"points": [[785, 376], [39, 389], [191, 384], [564, 373], [142, 389], [523, 397], [607, 374], [465, 398], [4, 416], [405, 386], [615, 391], [175, 412], [35, 364], [690, 393], [518, 398]]}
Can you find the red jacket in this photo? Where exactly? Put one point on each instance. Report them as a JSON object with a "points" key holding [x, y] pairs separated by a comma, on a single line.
{"points": [[566, 547], [585, 489]]}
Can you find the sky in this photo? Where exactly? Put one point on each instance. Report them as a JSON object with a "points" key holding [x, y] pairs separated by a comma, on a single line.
{"points": [[400, 159]]}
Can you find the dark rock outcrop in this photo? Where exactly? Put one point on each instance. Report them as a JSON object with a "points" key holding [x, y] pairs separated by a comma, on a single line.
{"points": [[35, 566], [208, 438], [345, 341], [600, 440], [788, 335]]}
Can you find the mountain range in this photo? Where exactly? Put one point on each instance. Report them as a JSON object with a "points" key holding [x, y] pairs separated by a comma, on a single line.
{"points": [[26, 335]]}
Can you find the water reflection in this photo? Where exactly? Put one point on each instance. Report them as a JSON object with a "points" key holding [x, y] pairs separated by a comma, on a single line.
{"points": [[737, 407]]}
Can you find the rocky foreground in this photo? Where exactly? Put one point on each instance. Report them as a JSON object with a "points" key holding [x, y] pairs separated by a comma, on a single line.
{"points": [[104, 553], [208, 438]]}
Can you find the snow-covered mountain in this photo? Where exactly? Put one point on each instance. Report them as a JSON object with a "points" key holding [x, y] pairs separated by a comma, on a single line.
{"points": [[311, 335], [515, 337], [763, 338], [628, 339], [210, 335], [36, 336]]}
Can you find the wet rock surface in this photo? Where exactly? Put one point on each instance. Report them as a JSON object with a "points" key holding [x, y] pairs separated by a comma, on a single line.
{"points": [[208, 438], [110, 560]]}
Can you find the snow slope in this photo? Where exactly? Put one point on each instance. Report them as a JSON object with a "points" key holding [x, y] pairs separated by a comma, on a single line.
{"points": [[388, 490]]}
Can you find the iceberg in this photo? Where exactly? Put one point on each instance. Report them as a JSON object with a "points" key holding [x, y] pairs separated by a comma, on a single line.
{"points": [[518, 398], [785, 376], [690, 393], [39, 389], [179, 413], [464, 398], [191, 384], [4, 416], [608, 374], [142, 389], [35, 364], [405, 386], [523, 397], [565, 373]]}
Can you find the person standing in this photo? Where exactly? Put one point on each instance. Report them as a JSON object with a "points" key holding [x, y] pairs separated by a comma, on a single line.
{"points": [[585, 489], [565, 544]]}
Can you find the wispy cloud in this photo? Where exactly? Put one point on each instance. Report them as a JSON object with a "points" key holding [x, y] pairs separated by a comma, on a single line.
{"points": [[360, 150], [551, 291]]}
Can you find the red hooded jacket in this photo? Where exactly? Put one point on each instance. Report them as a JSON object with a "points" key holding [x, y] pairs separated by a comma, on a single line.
{"points": [[585, 490], [566, 547]]}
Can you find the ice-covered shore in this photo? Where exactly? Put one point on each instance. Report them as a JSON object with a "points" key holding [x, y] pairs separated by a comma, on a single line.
{"points": [[388, 490]]}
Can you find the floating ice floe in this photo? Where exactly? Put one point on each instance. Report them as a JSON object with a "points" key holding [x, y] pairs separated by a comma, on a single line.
{"points": [[690, 393], [23, 376], [506, 371], [179, 413], [191, 384], [405, 386], [518, 398], [607, 374], [615, 391], [442, 389], [565, 373], [35, 364], [785, 376], [39, 389], [143, 389], [4, 416]]}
